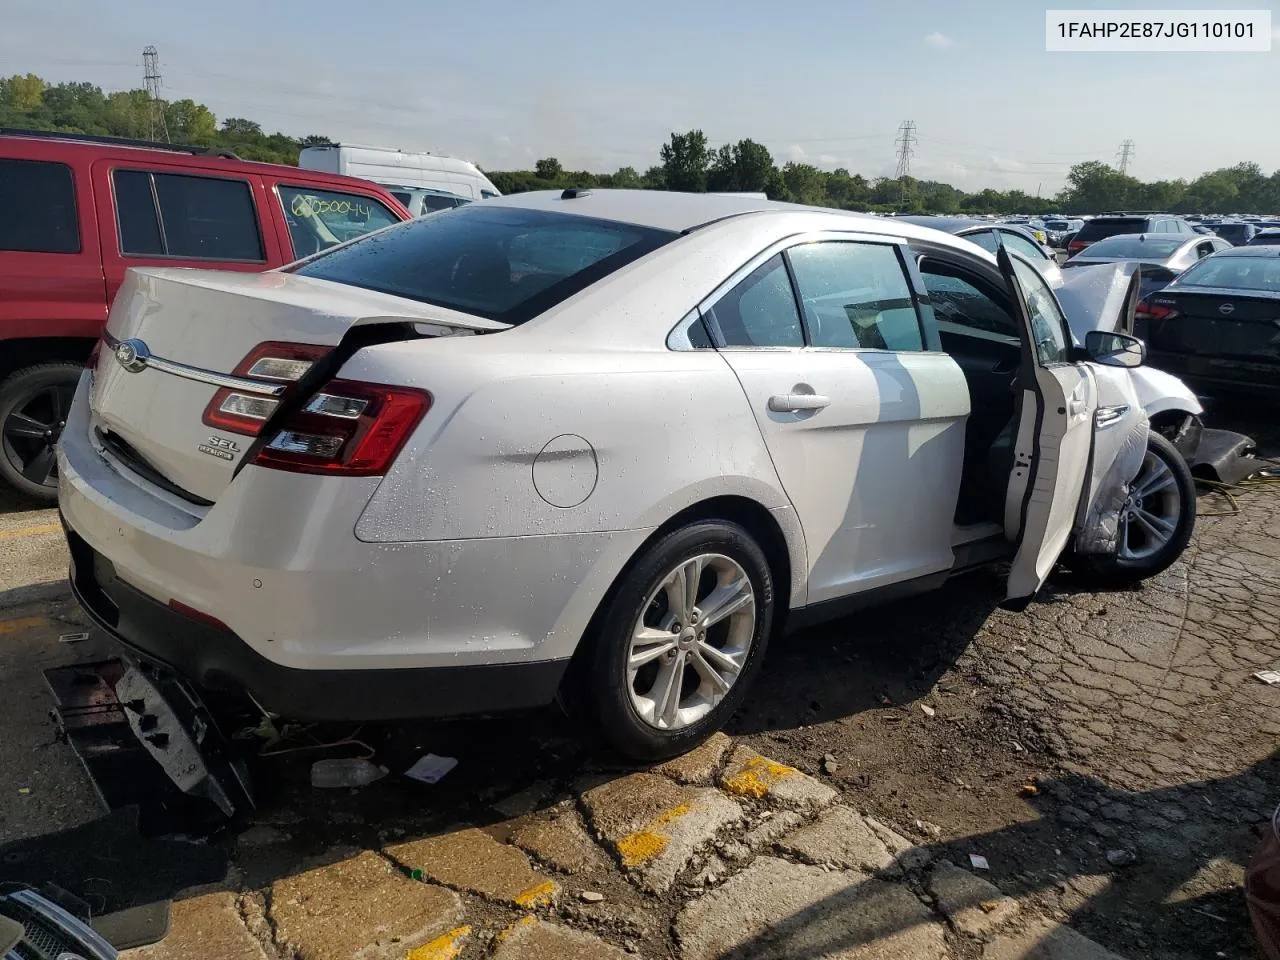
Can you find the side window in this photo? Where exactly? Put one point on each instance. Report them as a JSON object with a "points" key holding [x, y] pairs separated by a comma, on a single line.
{"points": [[760, 311], [1206, 248], [319, 219], [1048, 325], [486, 194], [856, 295], [431, 202], [986, 239], [200, 218], [1020, 244], [959, 301], [38, 207]]}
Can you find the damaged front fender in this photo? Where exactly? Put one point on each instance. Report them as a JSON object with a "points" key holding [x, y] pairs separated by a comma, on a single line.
{"points": [[1099, 531]]}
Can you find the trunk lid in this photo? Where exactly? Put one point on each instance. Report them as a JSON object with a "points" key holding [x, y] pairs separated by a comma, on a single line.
{"points": [[194, 325]]}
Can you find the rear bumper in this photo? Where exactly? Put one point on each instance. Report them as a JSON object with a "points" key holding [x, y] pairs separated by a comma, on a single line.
{"points": [[216, 659]]}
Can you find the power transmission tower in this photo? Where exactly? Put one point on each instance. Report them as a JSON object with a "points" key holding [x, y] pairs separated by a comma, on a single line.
{"points": [[1124, 155], [155, 106], [906, 138]]}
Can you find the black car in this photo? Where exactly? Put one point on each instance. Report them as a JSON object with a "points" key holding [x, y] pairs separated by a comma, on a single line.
{"points": [[1237, 234], [1099, 228], [1218, 324], [1265, 238]]}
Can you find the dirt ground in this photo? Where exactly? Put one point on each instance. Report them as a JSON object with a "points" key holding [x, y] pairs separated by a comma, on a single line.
{"points": [[1108, 753]]}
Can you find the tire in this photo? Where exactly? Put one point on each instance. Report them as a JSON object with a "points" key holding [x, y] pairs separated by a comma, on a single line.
{"points": [[30, 399], [1129, 566], [629, 710]]}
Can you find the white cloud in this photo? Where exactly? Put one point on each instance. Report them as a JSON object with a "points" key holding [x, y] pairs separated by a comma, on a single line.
{"points": [[937, 39]]}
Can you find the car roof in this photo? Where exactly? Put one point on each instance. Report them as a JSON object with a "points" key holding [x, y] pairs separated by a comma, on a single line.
{"points": [[658, 209], [177, 154], [1258, 251]]}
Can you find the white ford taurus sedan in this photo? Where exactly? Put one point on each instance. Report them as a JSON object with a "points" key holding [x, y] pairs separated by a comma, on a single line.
{"points": [[611, 442]]}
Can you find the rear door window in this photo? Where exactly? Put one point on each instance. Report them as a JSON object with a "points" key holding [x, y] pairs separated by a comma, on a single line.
{"points": [[38, 207], [319, 219], [190, 217]]}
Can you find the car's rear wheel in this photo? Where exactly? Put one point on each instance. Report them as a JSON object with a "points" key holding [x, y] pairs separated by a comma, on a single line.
{"points": [[681, 640], [33, 411], [1156, 521]]}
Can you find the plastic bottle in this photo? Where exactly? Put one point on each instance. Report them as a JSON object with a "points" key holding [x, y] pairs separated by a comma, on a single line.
{"points": [[345, 772]]}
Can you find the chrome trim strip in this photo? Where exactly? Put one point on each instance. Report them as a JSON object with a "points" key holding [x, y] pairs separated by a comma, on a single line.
{"points": [[200, 375]]}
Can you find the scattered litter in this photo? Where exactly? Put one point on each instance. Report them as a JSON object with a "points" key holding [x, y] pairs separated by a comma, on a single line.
{"points": [[1268, 676], [1019, 649], [978, 862], [416, 874], [927, 710], [72, 637], [431, 768], [24, 790], [893, 718], [1211, 916], [337, 772], [591, 896], [1029, 790]]}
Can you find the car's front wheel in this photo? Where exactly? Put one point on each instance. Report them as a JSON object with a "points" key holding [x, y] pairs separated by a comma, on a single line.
{"points": [[34, 403], [1156, 520], [681, 640]]}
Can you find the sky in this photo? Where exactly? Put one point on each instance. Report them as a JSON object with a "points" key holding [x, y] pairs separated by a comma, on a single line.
{"points": [[602, 85]]}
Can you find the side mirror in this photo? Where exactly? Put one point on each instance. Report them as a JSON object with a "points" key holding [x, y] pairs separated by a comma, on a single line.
{"points": [[1115, 349]]}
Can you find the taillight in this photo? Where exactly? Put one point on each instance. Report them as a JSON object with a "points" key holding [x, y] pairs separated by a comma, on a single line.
{"points": [[346, 429], [1075, 246], [241, 412], [1154, 311], [177, 606]]}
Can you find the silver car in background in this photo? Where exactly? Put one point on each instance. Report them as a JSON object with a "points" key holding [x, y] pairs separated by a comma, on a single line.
{"points": [[1160, 256]]}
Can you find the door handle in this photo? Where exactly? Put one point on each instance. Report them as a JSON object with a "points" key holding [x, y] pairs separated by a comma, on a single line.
{"points": [[798, 402]]}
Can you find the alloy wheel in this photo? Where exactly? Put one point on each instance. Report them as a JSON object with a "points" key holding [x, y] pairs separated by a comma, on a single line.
{"points": [[29, 434], [691, 642], [1150, 514]]}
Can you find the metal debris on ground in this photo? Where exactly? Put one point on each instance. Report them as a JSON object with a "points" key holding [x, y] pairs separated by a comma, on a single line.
{"points": [[978, 862], [1268, 676], [72, 637], [430, 768]]}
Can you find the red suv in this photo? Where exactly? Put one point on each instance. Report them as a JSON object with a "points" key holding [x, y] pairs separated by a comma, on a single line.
{"points": [[77, 211]]}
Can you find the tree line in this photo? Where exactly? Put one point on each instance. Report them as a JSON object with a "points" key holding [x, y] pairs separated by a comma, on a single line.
{"points": [[687, 161]]}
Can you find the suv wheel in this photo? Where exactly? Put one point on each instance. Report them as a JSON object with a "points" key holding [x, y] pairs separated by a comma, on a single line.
{"points": [[681, 640], [33, 410]]}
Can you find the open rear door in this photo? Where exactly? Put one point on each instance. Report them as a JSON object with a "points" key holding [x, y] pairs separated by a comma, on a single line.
{"points": [[1055, 433]]}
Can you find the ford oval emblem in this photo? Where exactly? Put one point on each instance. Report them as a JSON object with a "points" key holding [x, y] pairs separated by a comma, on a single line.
{"points": [[132, 355], [1227, 309]]}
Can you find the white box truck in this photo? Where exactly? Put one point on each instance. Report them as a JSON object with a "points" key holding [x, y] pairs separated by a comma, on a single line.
{"points": [[425, 178]]}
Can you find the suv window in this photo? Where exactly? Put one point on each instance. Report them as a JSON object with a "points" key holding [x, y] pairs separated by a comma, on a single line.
{"points": [[856, 295], [199, 218], [319, 219], [38, 207], [1100, 229], [760, 311]]}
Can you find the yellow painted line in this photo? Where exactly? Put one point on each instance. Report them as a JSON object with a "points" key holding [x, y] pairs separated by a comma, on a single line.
{"points": [[538, 895], [444, 947], [757, 777], [35, 531], [22, 623]]}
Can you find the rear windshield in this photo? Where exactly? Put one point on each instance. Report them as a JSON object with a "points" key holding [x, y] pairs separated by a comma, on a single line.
{"points": [[1099, 229], [1057, 225], [1236, 273], [1135, 247], [1266, 237], [1232, 231], [502, 263]]}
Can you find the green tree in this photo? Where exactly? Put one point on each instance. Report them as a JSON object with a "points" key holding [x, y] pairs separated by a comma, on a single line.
{"points": [[743, 167], [804, 183], [685, 159], [239, 127], [1095, 187], [846, 192], [190, 122], [626, 179], [25, 93], [548, 168]]}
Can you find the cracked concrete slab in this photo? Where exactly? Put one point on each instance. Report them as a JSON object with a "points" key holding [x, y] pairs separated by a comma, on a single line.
{"points": [[655, 826], [698, 767], [360, 908], [471, 860], [534, 939], [973, 905], [204, 926], [752, 776], [839, 837], [777, 910], [1044, 940], [561, 842]]}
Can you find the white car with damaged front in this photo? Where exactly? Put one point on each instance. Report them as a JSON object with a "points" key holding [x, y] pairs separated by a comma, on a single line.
{"points": [[607, 443]]}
